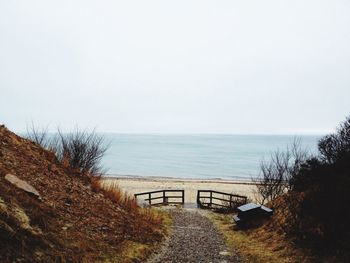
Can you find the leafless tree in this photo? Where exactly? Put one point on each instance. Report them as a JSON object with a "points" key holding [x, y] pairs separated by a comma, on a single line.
{"points": [[277, 173], [336, 146]]}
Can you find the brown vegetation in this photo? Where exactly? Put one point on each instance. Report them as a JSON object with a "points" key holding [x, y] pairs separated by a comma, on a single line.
{"points": [[75, 221], [310, 197]]}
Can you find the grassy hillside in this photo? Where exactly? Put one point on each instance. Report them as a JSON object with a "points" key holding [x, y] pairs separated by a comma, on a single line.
{"points": [[74, 220]]}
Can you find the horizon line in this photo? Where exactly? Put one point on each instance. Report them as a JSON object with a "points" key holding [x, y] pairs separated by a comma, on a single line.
{"points": [[296, 133]]}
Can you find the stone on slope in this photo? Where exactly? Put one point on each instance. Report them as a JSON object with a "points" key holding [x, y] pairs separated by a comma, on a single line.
{"points": [[21, 184]]}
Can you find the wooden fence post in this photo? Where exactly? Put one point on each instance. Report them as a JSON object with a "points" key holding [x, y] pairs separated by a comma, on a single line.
{"points": [[211, 198]]}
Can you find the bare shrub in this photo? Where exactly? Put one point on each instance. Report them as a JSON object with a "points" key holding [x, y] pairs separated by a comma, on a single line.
{"points": [[80, 151], [39, 136], [277, 174]]}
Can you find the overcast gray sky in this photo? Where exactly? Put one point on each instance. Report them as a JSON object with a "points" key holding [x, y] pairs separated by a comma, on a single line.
{"points": [[175, 66]]}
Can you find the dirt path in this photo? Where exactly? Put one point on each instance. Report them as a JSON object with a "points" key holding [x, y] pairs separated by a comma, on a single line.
{"points": [[193, 239]]}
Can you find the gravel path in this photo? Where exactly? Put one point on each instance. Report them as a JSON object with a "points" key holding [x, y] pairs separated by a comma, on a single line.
{"points": [[193, 239]]}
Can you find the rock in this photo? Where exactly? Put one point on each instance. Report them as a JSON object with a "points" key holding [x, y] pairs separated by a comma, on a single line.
{"points": [[21, 184], [66, 226], [225, 253]]}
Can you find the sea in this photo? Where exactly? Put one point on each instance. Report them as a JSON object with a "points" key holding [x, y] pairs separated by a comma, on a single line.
{"points": [[207, 157]]}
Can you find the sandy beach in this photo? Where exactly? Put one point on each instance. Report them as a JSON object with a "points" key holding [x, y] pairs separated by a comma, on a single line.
{"points": [[133, 185]]}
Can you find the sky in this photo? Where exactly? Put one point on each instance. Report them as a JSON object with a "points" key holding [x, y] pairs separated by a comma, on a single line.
{"points": [[251, 67]]}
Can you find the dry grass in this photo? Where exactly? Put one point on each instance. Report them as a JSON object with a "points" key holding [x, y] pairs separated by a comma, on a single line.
{"points": [[114, 193], [258, 245], [146, 220], [134, 252]]}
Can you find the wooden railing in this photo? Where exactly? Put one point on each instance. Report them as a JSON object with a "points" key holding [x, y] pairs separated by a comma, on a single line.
{"points": [[219, 200], [164, 196]]}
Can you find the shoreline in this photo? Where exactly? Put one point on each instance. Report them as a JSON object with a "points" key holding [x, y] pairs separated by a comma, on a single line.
{"points": [[177, 179]]}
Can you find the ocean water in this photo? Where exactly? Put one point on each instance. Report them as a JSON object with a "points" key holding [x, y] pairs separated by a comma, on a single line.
{"points": [[234, 157]]}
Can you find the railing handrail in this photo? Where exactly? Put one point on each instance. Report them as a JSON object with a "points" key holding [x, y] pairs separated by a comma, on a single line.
{"points": [[164, 196], [232, 199], [158, 191], [217, 192]]}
